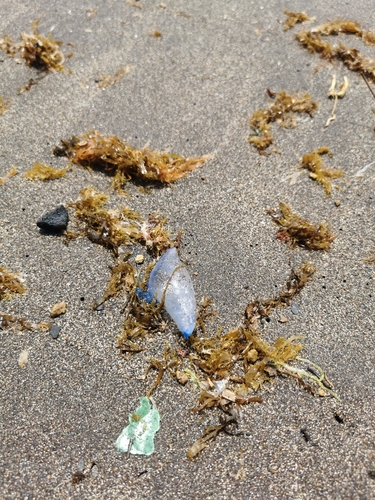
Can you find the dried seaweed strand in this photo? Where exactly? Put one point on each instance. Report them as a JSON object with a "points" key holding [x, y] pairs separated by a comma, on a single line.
{"points": [[40, 172], [10, 284], [318, 171], [295, 17]]}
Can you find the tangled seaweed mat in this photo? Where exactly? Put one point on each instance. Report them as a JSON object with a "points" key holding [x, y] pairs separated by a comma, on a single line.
{"points": [[298, 231], [295, 17], [281, 111], [312, 41], [38, 51], [110, 155]]}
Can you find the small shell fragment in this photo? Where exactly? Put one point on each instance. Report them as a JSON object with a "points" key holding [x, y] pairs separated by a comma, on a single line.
{"points": [[58, 309], [23, 359], [139, 259]]}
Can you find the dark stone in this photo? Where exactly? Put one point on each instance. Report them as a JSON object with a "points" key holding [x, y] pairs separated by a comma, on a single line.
{"points": [[54, 221], [55, 331]]}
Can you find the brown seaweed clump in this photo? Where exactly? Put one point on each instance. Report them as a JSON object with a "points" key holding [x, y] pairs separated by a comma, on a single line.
{"points": [[110, 155], [106, 81], [4, 105], [312, 40], [40, 172], [318, 171], [295, 17], [40, 52], [298, 231], [10, 284], [12, 172], [280, 111]]}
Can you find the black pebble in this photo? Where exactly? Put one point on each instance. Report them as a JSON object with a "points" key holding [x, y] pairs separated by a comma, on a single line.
{"points": [[55, 331], [54, 221]]}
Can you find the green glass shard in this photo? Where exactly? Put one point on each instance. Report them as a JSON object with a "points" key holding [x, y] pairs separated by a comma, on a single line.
{"points": [[138, 437]]}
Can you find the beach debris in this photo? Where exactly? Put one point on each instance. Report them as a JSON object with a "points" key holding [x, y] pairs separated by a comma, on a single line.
{"points": [[296, 282], [40, 52], [11, 321], [4, 104], [318, 171], [295, 17], [170, 285], [110, 155], [298, 231], [281, 111], [156, 34], [336, 94], [55, 331], [362, 170], [23, 359], [78, 477], [58, 309], [54, 221], [138, 437], [40, 172], [122, 280], [106, 81], [371, 258], [312, 40], [10, 284], [139, 259], [12, 172]]}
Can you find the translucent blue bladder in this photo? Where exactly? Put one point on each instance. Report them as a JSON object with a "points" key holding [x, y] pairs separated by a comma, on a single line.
{"points": [[171, 285]]}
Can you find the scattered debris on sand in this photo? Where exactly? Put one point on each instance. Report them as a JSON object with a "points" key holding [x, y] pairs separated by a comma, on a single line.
{"points": [[295, 17], [58, 309], [110, 155], [104, 82], [371, 258], [40, 52], [10, 284], [298, 231], [23, 359], [12, 172], [281, 110], [40, 172], [312, 41], [318, 171], [4, 105]]}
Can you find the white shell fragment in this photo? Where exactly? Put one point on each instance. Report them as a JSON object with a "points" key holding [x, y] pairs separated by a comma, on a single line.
{"points": [[170, 284]]}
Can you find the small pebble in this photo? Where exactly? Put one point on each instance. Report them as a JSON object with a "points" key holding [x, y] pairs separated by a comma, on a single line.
{"points": [[58, 309], [100, 307], [337, 203], [54, 221], [55, 331], [283, 319], [23, 359], [294, 309], [139, 259], [94, 470], [81, 464]]}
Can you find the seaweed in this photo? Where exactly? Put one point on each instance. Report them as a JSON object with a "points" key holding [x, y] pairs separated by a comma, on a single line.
{"points": [[155, 235], [295, 283], [12, 172], [31, 83], [105, 81], [295, 17], [11, 321], [298, 231], [110, 155], [280, 110], [4, 105], [110, 228], [10, 284], [38, 51], [40, 172], [312, 41], [122, 279], [318, 171]]}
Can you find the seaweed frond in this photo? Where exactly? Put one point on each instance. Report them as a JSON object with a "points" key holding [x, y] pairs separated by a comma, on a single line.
{"points": [[312, 41], [281, 111], [295, 17], [298, 231], [40, 52], [12, 172], [40, 172], [110, 155], [318, 171], [295, 283], [106, 81], [10, 284]]}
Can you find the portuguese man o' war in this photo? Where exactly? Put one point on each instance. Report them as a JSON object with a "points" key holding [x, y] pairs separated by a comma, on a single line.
{"points": [[171, 285]]}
